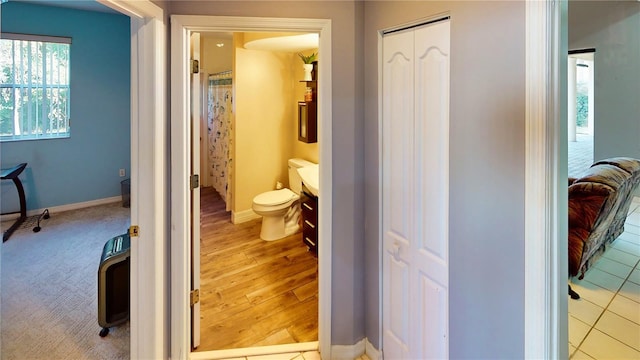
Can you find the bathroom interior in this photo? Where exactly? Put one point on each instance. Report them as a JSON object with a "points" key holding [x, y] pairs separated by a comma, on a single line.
{"points": [[259, 190]]}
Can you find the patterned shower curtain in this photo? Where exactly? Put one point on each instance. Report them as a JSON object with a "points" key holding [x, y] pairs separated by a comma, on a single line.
{"points": [[219, 131]]}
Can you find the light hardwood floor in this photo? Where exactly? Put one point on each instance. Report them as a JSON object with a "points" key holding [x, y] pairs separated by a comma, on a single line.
{"points": [[253, 292]]}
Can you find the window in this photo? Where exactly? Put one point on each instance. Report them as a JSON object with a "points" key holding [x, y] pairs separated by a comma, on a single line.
{"points": [[34, 87]]}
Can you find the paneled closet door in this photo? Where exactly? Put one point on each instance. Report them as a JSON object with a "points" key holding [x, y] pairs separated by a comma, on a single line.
{"points": [[415, 192]]}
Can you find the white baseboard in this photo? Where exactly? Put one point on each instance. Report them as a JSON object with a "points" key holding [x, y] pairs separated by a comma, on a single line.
{"points": [[67, 207], [371, 352], [238, 217], [348, 352]]}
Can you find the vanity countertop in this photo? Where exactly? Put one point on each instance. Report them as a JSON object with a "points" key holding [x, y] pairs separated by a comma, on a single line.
{"points": [[311, 178]]}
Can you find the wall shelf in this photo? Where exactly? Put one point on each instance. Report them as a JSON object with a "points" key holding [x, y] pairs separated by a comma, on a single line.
{"points": [[307, 121], [308, 110]]}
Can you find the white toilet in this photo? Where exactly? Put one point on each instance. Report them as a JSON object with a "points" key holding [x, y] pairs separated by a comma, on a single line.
{"points": [[280, 209]]}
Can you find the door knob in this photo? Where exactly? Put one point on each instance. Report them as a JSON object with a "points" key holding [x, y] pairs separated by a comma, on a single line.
{"points": [[396, 250]]}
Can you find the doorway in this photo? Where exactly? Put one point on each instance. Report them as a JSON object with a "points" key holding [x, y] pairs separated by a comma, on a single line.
{"points": [[580, 118], [252, 292], [182, 26]]}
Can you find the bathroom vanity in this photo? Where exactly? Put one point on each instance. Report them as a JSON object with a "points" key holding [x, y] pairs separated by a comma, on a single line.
{"points": [[309, 219]]}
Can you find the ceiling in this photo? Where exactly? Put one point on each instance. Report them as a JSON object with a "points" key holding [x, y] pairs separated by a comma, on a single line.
{"points": [[283, 42]]}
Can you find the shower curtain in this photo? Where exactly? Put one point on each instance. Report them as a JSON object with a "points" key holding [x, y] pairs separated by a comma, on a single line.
{"points": [[219, 126]]}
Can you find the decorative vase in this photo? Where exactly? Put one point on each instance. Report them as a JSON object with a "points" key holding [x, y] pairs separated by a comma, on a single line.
{"points": [[307, 71]]}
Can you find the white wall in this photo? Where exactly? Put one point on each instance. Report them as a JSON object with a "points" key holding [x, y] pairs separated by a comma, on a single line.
{"points": [[263, 122], [613, 29]]}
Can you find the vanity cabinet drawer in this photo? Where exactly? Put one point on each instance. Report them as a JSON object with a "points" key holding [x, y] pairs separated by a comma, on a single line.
{"points": [[309, 220], [309, 210], [309, 205], [310, 238]]}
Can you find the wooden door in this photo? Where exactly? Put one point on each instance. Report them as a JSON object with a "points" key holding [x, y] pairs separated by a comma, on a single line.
{"points": [[415, 192], [195, 121]]}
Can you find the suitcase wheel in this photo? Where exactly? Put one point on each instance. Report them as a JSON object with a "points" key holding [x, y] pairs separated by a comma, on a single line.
{"points": [[104, 332]]}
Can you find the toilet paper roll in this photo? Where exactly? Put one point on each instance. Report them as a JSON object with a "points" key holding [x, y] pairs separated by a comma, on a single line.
{"points": [[279, 185]]}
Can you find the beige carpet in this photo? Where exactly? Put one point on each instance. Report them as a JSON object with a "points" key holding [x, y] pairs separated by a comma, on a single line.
{"points": [[49, 307]]}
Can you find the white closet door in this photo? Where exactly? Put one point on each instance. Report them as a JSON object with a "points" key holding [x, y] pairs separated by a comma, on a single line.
{"points": [[415, 194], [397, 195]]}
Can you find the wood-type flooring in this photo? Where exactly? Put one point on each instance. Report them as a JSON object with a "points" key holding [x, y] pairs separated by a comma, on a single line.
{"points": [[253, 292]]}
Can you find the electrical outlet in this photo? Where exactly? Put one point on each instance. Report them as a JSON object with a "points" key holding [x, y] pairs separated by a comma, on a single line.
{"points": [[121, 172]]}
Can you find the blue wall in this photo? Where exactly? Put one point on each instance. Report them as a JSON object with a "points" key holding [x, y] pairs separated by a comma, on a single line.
{"points": [[85, 166]]}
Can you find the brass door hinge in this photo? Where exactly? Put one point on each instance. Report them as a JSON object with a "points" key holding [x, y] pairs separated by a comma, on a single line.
{"points": [[194, 297], [195, 66], [195, 181], [134, 230]]}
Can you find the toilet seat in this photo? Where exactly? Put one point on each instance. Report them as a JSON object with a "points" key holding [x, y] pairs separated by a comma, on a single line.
{"points": [[275, 197]]}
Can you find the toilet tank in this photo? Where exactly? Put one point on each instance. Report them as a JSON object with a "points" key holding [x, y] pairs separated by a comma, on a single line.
{"points": [[295, 182]]}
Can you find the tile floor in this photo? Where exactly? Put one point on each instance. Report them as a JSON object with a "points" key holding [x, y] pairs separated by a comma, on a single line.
{"points": [[605, 322], [580, 154]]}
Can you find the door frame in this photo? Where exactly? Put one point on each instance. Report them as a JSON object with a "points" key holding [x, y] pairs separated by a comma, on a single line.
{"points": [[546, 262], [181, 25], [149, 321]]}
